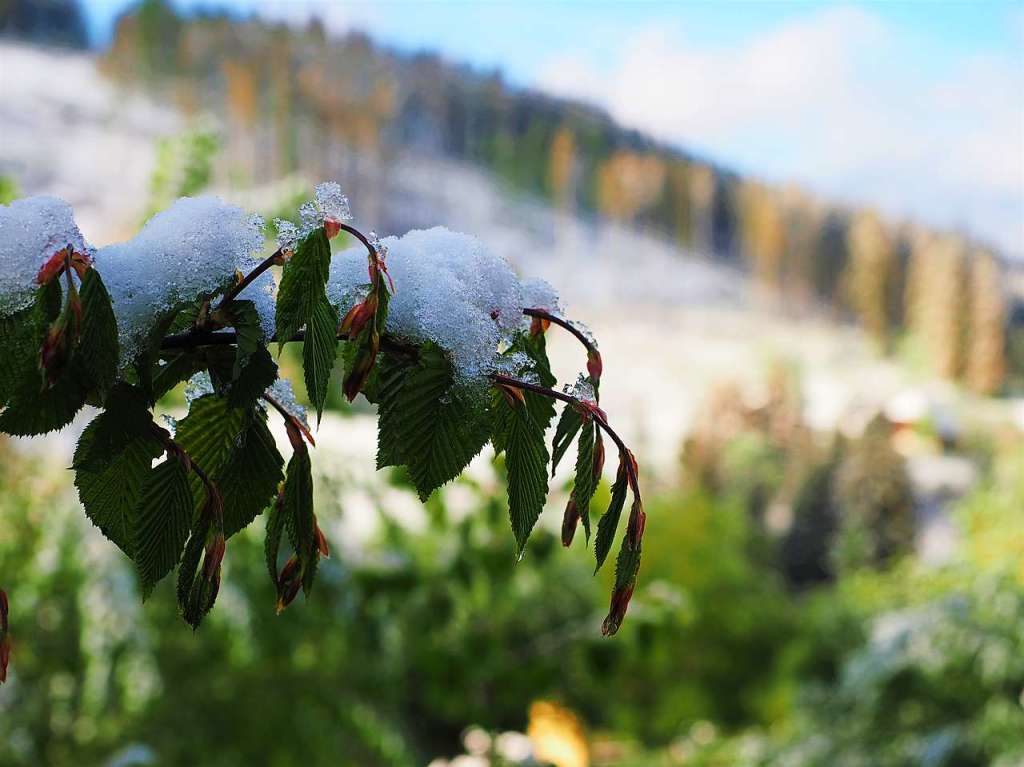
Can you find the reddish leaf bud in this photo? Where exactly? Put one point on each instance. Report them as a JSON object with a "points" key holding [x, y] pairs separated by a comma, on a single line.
{"points": [[361, 368], [321, 543], [213, 557], [295, 431], [3, 611], [513, 395], [570, 520], [54, 353], [289, 582], [331, 228], [620, 603], [598, 456], [594, 365], [5, 656], [81, 263], [637, 523], [539, 325], [53, 267]]}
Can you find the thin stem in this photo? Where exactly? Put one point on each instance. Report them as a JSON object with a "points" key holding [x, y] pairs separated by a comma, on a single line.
{"points": [[361, 237], [261, 267], [288, 417], [597, 415], [195, 338], [563, 323]]}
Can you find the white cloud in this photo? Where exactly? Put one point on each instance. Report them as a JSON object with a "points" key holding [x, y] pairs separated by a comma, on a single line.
{"points": [[837, 100]]}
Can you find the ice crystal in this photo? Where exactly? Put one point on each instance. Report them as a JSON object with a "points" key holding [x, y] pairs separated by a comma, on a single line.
{"points": [[581, 390], [333, 204], [538, 294], [287, 234]]}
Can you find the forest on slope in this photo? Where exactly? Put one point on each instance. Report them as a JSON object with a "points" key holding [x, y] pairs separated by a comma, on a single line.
{"points": [[297, 100]]}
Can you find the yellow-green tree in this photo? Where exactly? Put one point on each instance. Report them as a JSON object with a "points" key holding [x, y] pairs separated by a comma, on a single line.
{"points": [[986, 339]]}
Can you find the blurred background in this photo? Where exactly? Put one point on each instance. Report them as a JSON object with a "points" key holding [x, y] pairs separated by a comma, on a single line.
{"points": [[796, 229]]}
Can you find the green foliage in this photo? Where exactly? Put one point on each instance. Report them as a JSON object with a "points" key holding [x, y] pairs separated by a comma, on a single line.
{"points": [[161, 521], [172, 500], [424, 427], [526, 460]]}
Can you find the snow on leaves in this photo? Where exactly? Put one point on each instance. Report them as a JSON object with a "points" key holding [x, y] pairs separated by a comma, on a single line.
{"points": [[437, 332]]}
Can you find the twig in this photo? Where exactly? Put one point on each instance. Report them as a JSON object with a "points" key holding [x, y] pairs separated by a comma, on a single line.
{"points": [[597, 414], [262, 266], [563, 323]]}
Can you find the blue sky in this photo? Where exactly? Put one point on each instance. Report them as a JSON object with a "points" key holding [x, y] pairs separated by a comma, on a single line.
{"points": [[917, 108]]}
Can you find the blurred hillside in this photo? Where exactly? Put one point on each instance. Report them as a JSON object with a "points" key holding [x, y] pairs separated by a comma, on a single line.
{"points": [[296, 101]]}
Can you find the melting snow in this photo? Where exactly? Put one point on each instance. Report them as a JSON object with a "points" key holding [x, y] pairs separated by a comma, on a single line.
{"points": [[32, 230], [187, 252], [449, 289]]}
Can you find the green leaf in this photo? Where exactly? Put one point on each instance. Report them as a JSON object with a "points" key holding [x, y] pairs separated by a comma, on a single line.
{"points": [[299, 520], [162, 520], [208, 434], [318, 352], [423, 424], [609, 521], [627, 564], [585, 483], [526, 459], [250, 476], [302, 284], [98, 347], [31, 408], [256, 375], [18, 353], [541, 408], [191, 584], [177, 368], [275, 527], [111, 462], [570, 423], [244, 318]]}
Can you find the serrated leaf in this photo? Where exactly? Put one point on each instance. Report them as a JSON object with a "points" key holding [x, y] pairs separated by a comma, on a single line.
{"points": [[250, 476], [526, 460], [32, 409], [319, 349], [275, 529], [18, 352], [568, 425], [190, 563], [609, 521], [627, 564], [177, 368], [585, 483], [244, 318], [424, 425], [299, 519], [257, 374], [161, 524], [302, 284], [98, 347], [208, 434], [111, 462], [541, 408]]}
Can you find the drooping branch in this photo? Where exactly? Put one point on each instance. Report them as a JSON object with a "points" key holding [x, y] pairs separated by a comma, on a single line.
{"points": [[594, 363], [592, 410], [196, 338]]}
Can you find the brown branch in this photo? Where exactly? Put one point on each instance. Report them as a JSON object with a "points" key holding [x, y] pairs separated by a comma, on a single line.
{"points": [[262, 266], [596, 413], [563, 323], [196, 338]]}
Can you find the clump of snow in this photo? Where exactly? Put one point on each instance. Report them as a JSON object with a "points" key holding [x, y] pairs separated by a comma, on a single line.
{"points": [[377, 245], [198, 386], [583, 389], [287, 234], [187, 252], [328, 203], [538, 294], [449, 289], [263, 293], [31, 231], [284, 395]]}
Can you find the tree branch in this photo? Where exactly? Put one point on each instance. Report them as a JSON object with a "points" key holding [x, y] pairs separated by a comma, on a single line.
{"points": [[596, 413]]}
